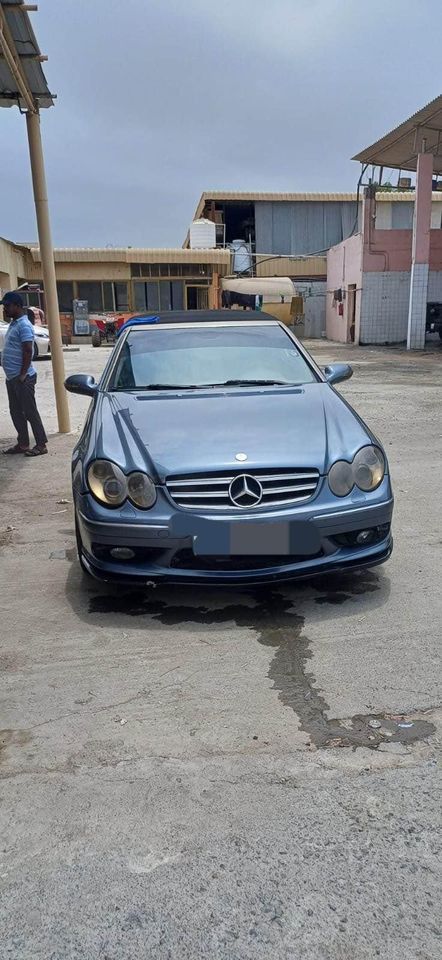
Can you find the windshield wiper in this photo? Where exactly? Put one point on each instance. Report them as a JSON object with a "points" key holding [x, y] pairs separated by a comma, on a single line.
{"points": [[206, 386], [169, 386]]}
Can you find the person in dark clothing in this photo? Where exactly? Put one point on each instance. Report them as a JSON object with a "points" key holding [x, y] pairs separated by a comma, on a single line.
{"points": [[21, 378]]}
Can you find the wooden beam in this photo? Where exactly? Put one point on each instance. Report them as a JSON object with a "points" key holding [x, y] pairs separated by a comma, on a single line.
{"points": [[39, 57]]}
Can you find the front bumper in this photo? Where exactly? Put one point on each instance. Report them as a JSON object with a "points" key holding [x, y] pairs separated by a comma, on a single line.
{"points": [[163, 555]]}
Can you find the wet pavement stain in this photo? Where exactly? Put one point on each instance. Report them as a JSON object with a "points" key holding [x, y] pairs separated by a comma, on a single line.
{"points": [[349, 586], [277, 625]]}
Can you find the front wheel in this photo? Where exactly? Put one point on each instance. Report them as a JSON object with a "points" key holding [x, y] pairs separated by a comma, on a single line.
{"points": [[96, 338], [440, 332]]}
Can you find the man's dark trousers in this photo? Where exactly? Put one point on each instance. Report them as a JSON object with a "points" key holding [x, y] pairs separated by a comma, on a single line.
{"points": [[23, 410]]}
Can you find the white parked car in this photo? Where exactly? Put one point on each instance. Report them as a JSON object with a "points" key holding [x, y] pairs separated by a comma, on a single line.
{"points": [[42, 343]]}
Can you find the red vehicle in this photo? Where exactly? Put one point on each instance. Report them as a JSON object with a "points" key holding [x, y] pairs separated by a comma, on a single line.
{"points": [[105, 327]]}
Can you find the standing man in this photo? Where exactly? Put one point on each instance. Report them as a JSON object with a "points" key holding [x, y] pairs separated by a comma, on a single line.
{"points": [[21, 378]]}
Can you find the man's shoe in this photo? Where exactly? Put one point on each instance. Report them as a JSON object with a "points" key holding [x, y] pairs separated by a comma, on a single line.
{"points": [[16, 449], [36, 452]]}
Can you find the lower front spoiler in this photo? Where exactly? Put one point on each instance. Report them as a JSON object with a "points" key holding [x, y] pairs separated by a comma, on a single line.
{"points": [[341, 562]]}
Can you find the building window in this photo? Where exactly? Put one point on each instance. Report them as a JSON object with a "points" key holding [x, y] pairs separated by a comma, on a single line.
{"points": [[157, 295], [121, 292], [91, 291], [173, 270], [65, 291], [108, 297], [104, 296], [146, 296]]}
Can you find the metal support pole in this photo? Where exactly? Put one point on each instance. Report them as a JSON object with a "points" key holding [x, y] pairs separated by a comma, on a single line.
{"points": [[48, 268]]}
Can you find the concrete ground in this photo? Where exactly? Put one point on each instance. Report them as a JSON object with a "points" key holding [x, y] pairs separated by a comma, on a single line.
{"points": [[181, 774]]}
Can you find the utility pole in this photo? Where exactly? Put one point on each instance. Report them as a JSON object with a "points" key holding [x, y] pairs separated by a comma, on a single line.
{"points": [[18, 92], [48, 267]]}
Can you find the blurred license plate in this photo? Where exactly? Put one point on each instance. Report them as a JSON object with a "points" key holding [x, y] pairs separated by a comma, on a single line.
{"points": [[260, 539], [244, 539]]}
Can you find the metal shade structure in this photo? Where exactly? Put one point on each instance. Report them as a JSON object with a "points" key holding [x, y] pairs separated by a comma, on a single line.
{"points": [[399, 149], [16, 28], [23, 85]]}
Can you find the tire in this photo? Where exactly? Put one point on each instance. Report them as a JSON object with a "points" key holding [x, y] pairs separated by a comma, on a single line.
{"points": [[35, 353], [440, 332], [96, 338], [84, 569]]}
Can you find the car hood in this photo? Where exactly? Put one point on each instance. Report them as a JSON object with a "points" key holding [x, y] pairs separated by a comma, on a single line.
{"points": [[203, 431]]}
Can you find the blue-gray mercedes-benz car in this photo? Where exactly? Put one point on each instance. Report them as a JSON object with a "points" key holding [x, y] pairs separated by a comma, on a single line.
{"points": [[215, 450]]}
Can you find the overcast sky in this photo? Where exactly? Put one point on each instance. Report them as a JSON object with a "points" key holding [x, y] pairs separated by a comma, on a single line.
{"points": [[159, 100]]}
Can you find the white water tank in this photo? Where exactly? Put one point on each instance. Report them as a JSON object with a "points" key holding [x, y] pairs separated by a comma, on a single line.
{"points": [[202, 235], [242, 258]]}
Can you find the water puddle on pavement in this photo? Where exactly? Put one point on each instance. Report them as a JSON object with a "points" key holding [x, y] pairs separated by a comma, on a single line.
{"points": [[278, 625]]}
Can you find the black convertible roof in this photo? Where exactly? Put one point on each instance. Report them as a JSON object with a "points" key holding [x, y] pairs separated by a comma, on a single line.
{"points": [[202, 316]]}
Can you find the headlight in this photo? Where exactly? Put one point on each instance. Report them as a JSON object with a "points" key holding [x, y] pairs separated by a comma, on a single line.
{"points": [[141, 490], [368, 468], [366, 472], [107, 483], [340, 478]]}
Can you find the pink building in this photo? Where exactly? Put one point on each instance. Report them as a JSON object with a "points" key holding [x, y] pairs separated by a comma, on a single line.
{"points": [[380, 280]]}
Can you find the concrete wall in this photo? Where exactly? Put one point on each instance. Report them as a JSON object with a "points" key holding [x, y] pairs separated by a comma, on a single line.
{"points": [[12, 266], [384, 307], [344, 267], [435, 249], [391, 250], [385, 303], [83, 271], [435, 286], [387, 250]]}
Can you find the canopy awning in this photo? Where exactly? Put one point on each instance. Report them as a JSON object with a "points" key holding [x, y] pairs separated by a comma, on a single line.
{"points": [[22, 81], [399, 149], [260, 286]]}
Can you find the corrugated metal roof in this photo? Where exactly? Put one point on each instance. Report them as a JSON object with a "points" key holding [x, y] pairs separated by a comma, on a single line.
{"points": [[292, 266], [254, 197], [300, 197], [18, 25], [134, 255], [399, 149]]}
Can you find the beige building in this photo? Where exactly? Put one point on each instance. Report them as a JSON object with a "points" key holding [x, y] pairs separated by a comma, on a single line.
{"points": [[120, 280]]}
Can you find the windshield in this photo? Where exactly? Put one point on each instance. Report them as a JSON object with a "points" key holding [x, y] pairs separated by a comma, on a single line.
{"points": [[208, 356]]}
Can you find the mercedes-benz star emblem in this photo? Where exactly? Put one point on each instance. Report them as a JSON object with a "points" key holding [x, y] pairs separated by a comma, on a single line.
{"points": [[245, 491], [241, 457]]}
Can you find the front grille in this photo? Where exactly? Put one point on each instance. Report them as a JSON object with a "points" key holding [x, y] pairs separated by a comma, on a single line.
{"points": [[210, 491], [186, 560]]}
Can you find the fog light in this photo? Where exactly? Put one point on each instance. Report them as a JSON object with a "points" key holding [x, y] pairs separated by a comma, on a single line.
{"points": [[122, 553], [364, 536]]}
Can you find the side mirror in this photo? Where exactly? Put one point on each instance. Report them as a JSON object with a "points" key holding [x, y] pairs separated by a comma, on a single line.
{"points": [[81, 383], [337, 372]]}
